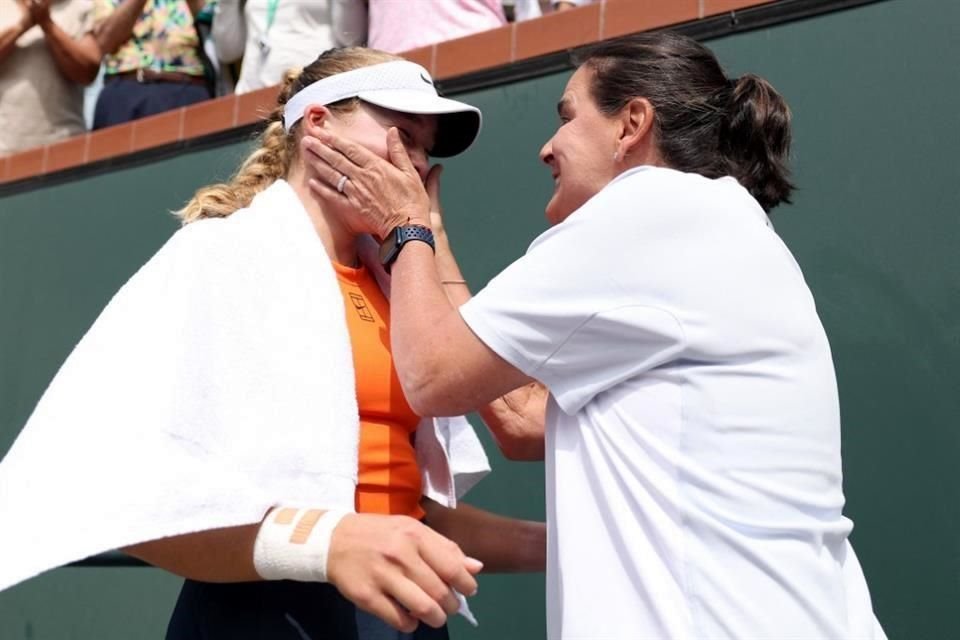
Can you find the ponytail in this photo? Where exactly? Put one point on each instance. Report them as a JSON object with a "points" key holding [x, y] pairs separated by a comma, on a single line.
{"points": [[755, 140], [703, 122]]}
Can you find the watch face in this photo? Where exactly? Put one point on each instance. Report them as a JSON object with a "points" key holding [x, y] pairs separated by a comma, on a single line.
{"points": [[388, 248]]}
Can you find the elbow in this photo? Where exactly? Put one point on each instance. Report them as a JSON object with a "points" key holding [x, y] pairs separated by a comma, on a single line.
{"points": [[81, 75], [427, 401], [88, 73], [430, 395], [524, 451], [108, 46]]}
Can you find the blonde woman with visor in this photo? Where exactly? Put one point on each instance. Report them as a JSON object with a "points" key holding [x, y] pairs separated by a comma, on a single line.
{"points": [[234, 417]]}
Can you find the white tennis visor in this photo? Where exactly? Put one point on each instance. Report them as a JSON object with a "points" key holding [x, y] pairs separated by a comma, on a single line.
{"points": [[401, 86]]}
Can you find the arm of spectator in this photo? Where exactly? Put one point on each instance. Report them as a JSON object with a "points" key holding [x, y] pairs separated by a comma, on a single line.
{"points": [[117, 27], [503, 545], [196, 6], [349, 21], [78, 59], [229, 30], [9, 36]]}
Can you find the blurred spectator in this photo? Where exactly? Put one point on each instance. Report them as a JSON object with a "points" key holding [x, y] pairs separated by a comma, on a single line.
{"points": [[273, 36], [224, 74], [563, 5], [528, 9], [154, 62], [46, 56], [401, 25]]}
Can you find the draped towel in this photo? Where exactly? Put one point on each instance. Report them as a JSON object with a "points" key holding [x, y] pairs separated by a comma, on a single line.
{"points": [[217, 383]]}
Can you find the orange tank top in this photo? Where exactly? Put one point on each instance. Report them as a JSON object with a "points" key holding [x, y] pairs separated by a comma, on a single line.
{"points": [[388, 479]]}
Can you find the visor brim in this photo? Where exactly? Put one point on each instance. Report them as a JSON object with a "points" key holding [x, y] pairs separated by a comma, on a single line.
{"points": [[458, 124]]}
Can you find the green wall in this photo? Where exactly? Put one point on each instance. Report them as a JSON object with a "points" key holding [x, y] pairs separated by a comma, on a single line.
{"points": [[875, 227]]}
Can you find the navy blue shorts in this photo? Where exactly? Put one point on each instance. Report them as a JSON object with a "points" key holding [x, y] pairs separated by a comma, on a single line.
{"points": [[278, 610], [125, 99]]}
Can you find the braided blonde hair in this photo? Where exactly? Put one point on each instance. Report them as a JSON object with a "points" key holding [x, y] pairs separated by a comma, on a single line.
{"points": [[277, 149]]}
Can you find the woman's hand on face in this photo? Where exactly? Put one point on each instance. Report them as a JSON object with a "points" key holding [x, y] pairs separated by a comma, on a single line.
{"points": [[380, 195], [399, 569]]}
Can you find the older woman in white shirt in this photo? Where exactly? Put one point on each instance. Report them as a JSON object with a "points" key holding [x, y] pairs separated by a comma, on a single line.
{"points": [[693, 472]]}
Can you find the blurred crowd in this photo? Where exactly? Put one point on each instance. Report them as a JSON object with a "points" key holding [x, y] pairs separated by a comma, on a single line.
{"points": [[157, 55]]}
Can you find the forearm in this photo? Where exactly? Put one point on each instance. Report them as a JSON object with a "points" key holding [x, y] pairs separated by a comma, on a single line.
{"points": [[504, 545], [118, 27], [516, 420], [77, 59], [195, 6], [454, 285], [423, 320], [9, 37], [217, 555]]}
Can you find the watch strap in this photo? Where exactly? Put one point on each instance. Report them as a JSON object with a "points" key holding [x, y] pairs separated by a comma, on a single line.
{"points": [[401, 235]]}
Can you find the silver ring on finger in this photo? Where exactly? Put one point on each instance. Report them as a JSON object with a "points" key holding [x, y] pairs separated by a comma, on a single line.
{"points": [[342, 183]]}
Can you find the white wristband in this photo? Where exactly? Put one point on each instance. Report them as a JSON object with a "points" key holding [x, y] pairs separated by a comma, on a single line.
{"points": [[292, 544]]}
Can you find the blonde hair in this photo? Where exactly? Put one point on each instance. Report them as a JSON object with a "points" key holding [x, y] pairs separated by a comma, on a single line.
{"points": [[277, 149]]}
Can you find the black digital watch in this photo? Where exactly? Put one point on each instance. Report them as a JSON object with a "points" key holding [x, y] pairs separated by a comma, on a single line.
{"points": [[401, 235]]}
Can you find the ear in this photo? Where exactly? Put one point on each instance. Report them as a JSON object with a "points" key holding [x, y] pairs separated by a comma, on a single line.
{"points": [[636, 119], [314, 119]]}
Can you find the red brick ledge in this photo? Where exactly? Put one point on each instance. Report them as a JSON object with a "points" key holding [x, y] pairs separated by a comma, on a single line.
{"points": [[512, 43]]}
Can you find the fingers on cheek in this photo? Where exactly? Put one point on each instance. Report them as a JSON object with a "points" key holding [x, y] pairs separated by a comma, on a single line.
{"points": [[322, 189]]}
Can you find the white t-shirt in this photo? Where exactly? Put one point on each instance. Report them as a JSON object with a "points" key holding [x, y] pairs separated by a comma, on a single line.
{"points": [[300, 31], [693, 430]]}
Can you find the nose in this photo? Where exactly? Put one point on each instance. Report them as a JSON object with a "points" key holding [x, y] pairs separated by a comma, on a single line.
{"points": [[546, 152], [419, 158]]}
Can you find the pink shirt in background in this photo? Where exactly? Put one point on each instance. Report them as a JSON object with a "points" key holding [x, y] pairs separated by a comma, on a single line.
{"points": [[401, 25]]}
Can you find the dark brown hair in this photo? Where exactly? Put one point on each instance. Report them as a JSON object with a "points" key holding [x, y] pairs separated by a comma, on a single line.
{"points": [[704, 122]]}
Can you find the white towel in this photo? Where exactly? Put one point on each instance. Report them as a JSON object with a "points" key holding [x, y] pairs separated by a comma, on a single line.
{"points": [[216, 384]]}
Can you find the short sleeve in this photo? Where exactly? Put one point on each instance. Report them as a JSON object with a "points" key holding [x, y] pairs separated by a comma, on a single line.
{"points": [[573, 314]]}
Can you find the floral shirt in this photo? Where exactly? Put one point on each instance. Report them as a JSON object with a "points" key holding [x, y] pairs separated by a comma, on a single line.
{"points": [[163, 39]]}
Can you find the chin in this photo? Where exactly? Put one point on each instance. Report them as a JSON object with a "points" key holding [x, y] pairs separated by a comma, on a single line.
{"points": [[556, 213], [550, 214]]}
